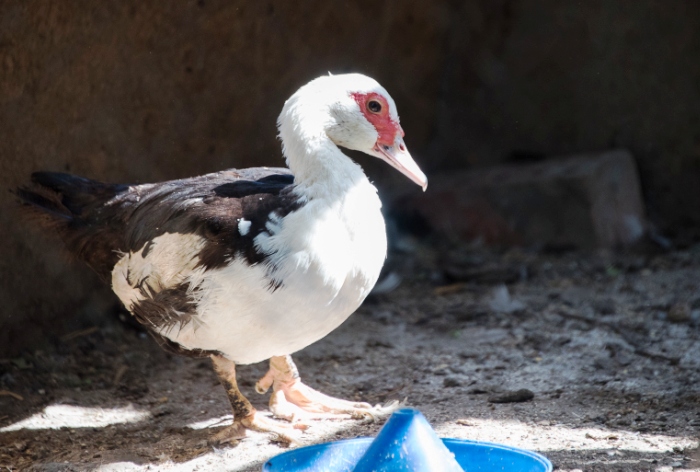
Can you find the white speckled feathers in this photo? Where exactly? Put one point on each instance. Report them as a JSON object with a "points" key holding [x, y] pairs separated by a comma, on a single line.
{"points": [[328, 256]]}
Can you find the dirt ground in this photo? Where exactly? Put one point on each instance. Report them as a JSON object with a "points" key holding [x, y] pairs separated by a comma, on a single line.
{"points": [[608, 343]]}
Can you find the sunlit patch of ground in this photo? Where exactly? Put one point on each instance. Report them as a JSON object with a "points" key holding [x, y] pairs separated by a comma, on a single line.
{"points": [[70, 416], [565, 438], [613, 445]]}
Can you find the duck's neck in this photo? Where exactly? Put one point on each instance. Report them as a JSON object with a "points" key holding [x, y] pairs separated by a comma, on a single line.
{"points": [[321, 170]]}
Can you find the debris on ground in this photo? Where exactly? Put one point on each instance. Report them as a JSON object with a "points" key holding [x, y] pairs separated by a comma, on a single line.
{"points": [[591, 358]]}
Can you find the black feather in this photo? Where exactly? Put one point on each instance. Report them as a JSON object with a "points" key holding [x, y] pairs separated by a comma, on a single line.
{"points": [[99, 222]]}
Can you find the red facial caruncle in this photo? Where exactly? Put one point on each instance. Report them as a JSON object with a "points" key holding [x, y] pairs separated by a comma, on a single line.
{"points": [[375, 108], [389, 145]]}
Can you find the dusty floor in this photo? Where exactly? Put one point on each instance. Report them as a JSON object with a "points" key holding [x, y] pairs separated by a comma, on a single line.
{"points": [[608, 343]]}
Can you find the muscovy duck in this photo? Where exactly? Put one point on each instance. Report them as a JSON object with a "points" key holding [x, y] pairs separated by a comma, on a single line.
{"points": [[247, 265]]}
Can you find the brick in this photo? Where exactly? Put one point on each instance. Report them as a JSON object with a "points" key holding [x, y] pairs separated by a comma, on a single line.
{"points": [[584, 201]]}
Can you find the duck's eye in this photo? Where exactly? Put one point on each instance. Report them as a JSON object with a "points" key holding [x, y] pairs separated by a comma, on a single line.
{"points": [[374, 106]]}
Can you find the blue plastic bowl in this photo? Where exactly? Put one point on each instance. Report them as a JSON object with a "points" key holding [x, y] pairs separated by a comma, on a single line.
{"points": [[343, 456]]}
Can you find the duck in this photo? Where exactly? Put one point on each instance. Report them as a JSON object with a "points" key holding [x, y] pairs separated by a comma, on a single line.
{"points": [[247, 265]]}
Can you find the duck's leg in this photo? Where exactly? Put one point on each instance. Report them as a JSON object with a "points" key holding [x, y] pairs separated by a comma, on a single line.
{"points": [[293, 400], [245, 416]]}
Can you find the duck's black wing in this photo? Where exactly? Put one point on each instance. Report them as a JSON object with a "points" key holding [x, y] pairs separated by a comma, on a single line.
{"points": [[99, 222]]}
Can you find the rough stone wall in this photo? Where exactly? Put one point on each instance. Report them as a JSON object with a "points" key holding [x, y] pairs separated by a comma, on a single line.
{"points": [[141, 90], [531, 79]]}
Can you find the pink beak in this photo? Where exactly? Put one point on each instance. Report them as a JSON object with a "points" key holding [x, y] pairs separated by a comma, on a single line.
{"points": [[400, 159]]}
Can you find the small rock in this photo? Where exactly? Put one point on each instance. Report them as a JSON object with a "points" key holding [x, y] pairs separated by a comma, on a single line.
{"points": [[695, 316], [555, 203], [7, 379], [379, 343], [515, 396], [451, 382], [21, 363], [500, 301], [484, 275], [468, 355], [605, 306], [679, 313], [161, 410], [382, 316], [388, 284], [21, 445], [624, 358], [605, 363]]}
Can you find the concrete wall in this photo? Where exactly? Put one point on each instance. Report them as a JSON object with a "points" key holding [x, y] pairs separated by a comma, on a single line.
{"points": [[143, 90]]}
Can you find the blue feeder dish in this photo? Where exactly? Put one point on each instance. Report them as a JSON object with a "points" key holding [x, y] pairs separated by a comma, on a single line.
{"points": [[407, 443]]}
